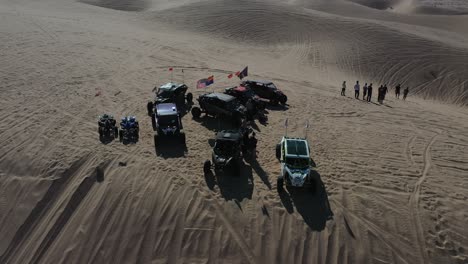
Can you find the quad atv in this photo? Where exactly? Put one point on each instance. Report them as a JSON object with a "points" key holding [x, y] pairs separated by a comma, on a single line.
{"points": [[267, 90], [129, 130], [220, 105], [106, 127], [296, 164], [226, 154], [170, 93], [166, 121]]}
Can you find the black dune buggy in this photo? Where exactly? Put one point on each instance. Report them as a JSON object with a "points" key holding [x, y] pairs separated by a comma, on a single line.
{"points": [[220, 105], [267, 90], [226, 154], [106, 127], [167, 122], [171, 93], [255, 106]]}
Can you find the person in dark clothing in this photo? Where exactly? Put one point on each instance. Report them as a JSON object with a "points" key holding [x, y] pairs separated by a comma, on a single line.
{"points": [[343, 88], [251, 109], [397, 91], [379, 94], [369, 92], [384, 92], [405, 93]]}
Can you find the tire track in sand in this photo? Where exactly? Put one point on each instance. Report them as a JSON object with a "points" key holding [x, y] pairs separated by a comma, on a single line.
{"points": [[414, 201]]}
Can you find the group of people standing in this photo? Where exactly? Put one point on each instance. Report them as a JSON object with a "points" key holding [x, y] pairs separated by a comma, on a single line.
{"points": [[367, 92]]}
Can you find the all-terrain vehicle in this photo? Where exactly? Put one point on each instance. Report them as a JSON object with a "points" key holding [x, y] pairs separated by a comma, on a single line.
{"points": [[267, 90], [296, 164], [170, 93], [226, 153], [106, 127], [166, 121], [219, 104], [129, 129]]}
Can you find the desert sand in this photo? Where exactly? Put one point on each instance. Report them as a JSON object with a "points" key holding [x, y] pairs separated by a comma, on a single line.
{"points": [[395, 176]]}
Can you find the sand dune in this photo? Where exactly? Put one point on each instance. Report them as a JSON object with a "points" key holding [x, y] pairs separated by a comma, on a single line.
{"points": [[394, 175], [364, 49]]}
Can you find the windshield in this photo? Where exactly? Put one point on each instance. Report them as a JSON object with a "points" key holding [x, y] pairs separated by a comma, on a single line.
{"points": [[297, 163], [271, 86], [224, 148], [164, 93], [169, 120]]}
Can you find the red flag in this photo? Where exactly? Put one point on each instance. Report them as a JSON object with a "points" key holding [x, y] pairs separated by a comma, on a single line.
{"points": [[230, 76], [237, 73], [170, 69]]}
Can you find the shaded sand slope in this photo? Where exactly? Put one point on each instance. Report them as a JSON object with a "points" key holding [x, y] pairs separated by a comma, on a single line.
{"points": [[366, 50], [394, 175]]}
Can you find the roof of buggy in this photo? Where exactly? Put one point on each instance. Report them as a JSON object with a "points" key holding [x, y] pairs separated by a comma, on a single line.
{"points": [[221, 96], [170, 86], [297, 147], [166, 109], [228, 135], [260, 81]]}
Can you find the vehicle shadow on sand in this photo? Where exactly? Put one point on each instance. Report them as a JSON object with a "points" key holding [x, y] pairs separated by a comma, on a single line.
{"points": [[314, 207], [232, 187], [169, 148]]}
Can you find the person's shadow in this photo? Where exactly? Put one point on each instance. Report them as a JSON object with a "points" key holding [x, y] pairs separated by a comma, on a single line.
{"points": [[312, 205], [259, 170]]}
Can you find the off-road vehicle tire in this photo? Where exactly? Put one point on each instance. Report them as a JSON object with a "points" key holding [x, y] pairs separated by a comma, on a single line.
{"points": [[283, 99], [116, 132], [182, 137], [156, 141], [121, 135], [278, 151], [153, 121], [196, 112], [207, 166], [150, 108]]}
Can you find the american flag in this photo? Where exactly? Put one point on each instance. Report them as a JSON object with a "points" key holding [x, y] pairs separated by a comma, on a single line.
{"points": [[201, 84]]}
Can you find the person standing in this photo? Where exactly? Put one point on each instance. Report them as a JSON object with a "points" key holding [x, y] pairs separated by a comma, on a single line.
{"points": [[379, 94], [384, 92], [356, 90], [405, 93], [397, 91], [364, 92], [369, 92], [343, 88]]}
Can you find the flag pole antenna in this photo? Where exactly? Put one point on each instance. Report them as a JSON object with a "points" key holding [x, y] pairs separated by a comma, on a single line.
{"points": [[286, 127]]}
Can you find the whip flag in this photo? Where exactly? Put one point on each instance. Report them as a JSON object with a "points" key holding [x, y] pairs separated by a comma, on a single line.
{"points": [[243, 73]]}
